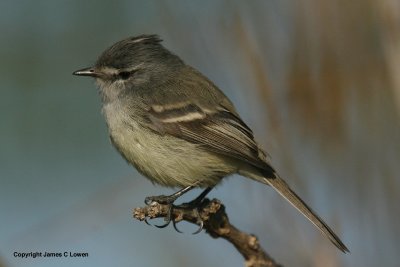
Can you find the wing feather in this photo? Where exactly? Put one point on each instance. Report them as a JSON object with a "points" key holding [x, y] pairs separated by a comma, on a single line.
{"points": [[219, 130]]}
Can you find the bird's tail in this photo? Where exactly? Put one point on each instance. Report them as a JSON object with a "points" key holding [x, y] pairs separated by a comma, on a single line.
{"points": [[284, 190]]}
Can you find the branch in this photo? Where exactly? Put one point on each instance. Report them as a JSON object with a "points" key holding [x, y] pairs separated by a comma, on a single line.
{"points": [[216, 224]]}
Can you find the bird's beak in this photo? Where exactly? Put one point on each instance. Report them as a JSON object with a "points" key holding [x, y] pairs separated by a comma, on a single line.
{"points": [[87, 72]]}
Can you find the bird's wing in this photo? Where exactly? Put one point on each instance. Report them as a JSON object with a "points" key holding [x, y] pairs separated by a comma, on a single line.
{"points": [[218, 129]]}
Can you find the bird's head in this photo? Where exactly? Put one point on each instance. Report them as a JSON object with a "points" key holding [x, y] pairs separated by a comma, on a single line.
{"points": [[132, 63]]}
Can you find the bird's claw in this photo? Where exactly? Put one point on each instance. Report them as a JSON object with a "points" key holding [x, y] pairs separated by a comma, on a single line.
{"points": [[200, 222], [175, 227], [168, 218]]}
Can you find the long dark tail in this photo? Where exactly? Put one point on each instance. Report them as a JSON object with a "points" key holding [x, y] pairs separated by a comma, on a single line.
{"points": [[284, 190]]}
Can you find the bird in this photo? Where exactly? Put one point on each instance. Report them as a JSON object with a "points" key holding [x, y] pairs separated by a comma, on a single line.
{"points": [[177, 128]]}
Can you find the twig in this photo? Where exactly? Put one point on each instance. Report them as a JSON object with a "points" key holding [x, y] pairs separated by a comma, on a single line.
{"points": [[216, 224]]}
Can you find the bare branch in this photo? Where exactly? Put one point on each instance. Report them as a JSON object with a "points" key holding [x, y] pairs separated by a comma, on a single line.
{"points": [[216, 224]]}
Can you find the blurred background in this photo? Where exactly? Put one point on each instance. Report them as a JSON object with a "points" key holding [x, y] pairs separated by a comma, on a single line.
{"points": [[318, 82]]}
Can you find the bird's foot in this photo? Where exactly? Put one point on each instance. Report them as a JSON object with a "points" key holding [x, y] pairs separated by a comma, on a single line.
{"points": [[169, 201], [165, 200]]}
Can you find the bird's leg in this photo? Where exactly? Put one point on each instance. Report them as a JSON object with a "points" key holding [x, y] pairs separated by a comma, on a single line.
{"points": [[197, 201], [168, 200]]}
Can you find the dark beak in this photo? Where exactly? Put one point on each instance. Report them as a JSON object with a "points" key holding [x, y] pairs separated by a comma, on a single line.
{"points": [[86, 72]]}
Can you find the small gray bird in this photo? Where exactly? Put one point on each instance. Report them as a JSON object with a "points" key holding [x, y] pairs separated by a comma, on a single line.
{"points": [[176, 127]]}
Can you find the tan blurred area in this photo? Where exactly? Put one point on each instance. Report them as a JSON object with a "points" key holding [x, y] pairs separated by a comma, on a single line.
{"points": [[341, 96]]}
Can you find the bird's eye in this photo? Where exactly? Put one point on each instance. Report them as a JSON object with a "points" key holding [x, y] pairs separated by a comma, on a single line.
{"points": [[124, 75]]}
